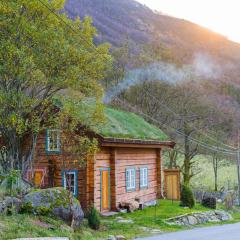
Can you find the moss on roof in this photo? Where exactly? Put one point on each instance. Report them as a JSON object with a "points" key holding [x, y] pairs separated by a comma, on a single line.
{"points": [[120, 124]]}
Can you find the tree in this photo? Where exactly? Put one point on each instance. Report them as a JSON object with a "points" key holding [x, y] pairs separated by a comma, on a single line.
{"points": [[43, 54], [183, 113], [217, 162]]}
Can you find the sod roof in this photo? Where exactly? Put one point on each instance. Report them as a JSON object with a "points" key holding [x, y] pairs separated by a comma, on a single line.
{"points": [[127, 125]]}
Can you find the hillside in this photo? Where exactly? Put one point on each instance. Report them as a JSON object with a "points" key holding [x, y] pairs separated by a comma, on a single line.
{"points": [[118, 19]]}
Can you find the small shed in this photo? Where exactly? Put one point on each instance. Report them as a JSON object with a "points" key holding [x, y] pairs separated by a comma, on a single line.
{"points": [[172, 184]]}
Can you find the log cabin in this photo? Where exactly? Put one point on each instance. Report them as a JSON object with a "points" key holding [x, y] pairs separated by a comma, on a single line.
{"points": [[126, 167]]}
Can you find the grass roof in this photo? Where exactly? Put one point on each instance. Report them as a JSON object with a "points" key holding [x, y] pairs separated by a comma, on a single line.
{"points": [[120, 124]]}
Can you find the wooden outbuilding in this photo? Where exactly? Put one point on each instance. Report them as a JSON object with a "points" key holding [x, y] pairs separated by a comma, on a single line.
{"points": [[126, 167], [172, 184]]}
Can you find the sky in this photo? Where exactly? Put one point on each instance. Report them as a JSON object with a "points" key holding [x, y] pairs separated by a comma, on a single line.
{"points": [[221, 16]]}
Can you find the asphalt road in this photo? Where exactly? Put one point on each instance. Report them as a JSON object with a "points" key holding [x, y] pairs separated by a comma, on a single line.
{"points": [[223, 232]]}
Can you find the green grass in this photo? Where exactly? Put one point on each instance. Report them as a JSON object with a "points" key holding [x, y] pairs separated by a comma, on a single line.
{"points": [[128, 125], [227, 175], [26, 225]]}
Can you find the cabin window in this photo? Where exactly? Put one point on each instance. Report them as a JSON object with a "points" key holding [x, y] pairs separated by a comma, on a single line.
{"points": [[130, 179], [70, 181], [53, 140], [143, 177]]}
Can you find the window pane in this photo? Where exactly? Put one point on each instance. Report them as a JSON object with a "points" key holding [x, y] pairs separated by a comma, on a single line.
{"points": [[69, 182], [143, 177], [53, 140], [130, 179]]}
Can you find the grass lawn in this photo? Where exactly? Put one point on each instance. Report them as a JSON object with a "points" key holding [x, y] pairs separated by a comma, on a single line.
{"points": [[34, 226]]}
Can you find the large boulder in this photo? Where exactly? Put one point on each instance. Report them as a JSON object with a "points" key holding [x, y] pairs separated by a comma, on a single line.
{"points": [[56, 201]]}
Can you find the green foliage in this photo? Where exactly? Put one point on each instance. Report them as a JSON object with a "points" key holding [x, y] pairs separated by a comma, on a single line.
{"points": [[187, 198], [43, 211], [39, 58], [93, 218], [26, 208], [128, 125], [11, 180], [27, 225]]}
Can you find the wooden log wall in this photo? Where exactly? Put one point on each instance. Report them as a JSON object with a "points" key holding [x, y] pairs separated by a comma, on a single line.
{"points": [[60, 161], [118, 159]]}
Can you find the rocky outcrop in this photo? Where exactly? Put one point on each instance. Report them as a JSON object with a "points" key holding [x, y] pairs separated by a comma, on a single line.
{"points": [[55, 201], [21, 186], [199, 218], [10, 205]]}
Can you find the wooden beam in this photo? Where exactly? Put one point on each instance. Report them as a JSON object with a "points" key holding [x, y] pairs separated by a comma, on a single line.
{"points": [[133, 145], [113, 178], [159, 175]]}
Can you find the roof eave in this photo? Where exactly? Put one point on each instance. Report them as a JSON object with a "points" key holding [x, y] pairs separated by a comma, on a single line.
{"points": [[122, 142]]}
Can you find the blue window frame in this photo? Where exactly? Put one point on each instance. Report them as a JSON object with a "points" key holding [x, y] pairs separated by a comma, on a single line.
{"points": [[70, 181], [143, 177], [130, 179], [53, 145]]}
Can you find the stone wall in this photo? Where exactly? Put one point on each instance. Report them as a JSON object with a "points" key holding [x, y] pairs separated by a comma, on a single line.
{"points": [[199, 218]]}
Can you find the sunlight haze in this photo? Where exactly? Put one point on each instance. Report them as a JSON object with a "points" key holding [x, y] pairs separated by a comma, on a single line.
{"points": [[220, 16]]}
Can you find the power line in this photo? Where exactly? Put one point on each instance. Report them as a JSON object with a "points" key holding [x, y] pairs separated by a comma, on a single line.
{"points": [[212, 148], [178, 115]]}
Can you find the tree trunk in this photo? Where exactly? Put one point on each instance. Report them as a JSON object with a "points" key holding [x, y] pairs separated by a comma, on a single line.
{"points": [[187, 158], [215, 169], [216, 185]]}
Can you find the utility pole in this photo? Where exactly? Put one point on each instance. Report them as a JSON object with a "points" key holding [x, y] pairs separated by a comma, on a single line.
{"points": [[238, 168]]}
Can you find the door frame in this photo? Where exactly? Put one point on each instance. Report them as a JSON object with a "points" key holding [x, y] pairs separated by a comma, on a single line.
{"points": [[109, 188]]}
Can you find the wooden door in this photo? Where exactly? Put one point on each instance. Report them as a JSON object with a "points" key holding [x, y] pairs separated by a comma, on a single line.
{"points": [[105, 198], [172, 187], [38, 175]]}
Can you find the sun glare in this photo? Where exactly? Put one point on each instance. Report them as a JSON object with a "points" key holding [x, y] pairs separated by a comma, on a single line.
{"points": [[221, 16]]}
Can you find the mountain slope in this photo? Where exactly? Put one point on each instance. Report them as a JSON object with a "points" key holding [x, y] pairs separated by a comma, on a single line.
{"points": [[118, 19]]}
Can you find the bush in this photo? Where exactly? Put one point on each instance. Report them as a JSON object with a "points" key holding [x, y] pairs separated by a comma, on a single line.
{"points": [[187, 199], [209, 202], [93, 218]]}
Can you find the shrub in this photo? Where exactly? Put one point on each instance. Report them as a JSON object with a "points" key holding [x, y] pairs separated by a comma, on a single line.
{"points": [[187, 199], [93, 218], [209, 202]]}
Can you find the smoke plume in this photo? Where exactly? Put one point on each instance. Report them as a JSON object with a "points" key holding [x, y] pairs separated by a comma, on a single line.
{"points": [[203, 66]]}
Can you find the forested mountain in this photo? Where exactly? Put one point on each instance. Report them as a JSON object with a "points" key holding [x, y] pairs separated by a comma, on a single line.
{"points": [[117, 20]]}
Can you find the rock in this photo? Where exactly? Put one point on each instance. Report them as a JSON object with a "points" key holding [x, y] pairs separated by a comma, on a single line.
{"points": [[145, 229], [129, 221], [21, 186], [155, 231], [150, 203], [122, 210], [10, 204], [224, 216], [123, 220], [192, 220], [199, 218], [13, 201], [111, 237], [55, 201], [120, 237]]}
